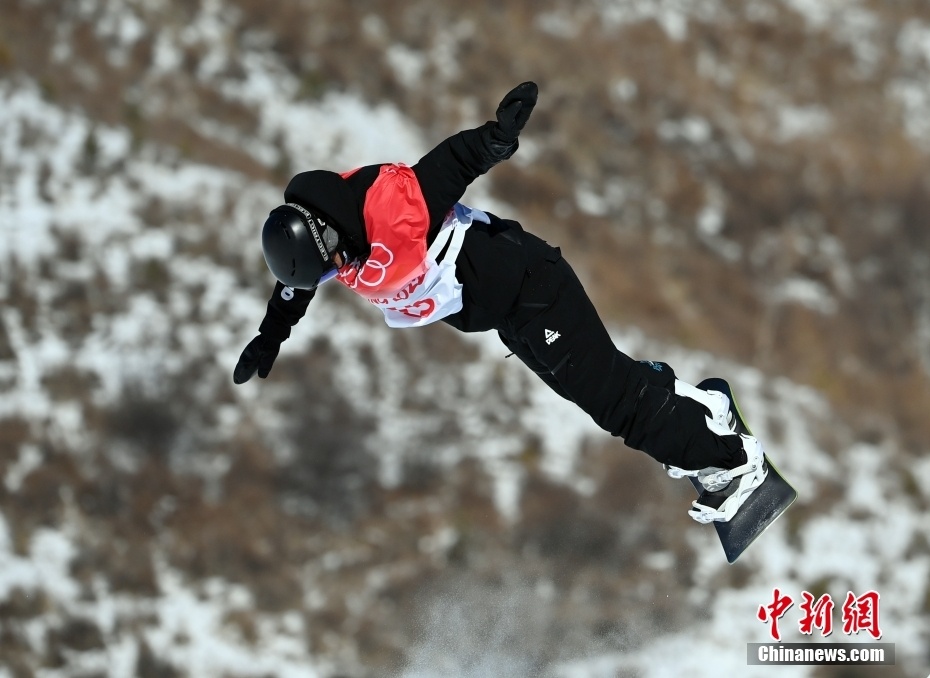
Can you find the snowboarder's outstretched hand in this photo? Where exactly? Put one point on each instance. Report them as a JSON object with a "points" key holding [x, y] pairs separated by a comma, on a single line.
{"points": [[514, 110], [258, 356], [500, 137]]}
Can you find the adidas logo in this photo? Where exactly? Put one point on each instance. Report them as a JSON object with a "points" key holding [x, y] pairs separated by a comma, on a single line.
{"points": [[551, 336]]}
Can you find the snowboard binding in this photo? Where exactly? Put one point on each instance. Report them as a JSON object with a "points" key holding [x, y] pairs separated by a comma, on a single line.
{"points": [[742, 502]]}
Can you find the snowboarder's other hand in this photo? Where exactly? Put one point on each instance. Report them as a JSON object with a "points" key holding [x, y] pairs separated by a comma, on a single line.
{"points": [[515, 109], [258, 356]]}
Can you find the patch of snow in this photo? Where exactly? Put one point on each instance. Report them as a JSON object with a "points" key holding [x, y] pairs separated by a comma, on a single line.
{"points": [[356, 134], [559, 24], [802, 121], [848, 22], [809, 293], [624, 90], [710, 220], [590, 202], [408, 65], [693, 129], [911, 87], [672, 15], [30, 458]]}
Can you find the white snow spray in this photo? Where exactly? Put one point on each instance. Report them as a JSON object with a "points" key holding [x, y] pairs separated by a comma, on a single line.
{"points": [[482, 632]]}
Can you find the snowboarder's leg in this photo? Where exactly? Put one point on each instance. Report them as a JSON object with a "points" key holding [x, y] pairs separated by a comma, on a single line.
{"points": [[521, 350], [556, 326]]}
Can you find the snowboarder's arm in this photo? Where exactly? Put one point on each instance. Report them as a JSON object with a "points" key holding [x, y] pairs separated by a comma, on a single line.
{"points": [[446, 171], [285, 308]]}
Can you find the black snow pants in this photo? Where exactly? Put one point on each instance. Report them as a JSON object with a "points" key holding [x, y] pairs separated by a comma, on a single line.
{"points": [[556, 331]]}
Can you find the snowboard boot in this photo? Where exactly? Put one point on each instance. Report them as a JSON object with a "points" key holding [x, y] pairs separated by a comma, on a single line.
{"points": [[720, 420], [724, 490]]}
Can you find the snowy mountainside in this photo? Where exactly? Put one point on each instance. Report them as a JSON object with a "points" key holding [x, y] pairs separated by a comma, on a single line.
{"points": [[779, 143], [412, 503], [161, 314]]}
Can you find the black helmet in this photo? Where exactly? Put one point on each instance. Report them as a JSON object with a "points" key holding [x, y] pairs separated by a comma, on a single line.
{"points": [[298, 246]]}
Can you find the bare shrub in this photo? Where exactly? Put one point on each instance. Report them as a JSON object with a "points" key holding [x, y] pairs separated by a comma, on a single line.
{"points": [[13, 433], [69, 383], [78, 633], [23, 604], [332, 470], [149, 424], [38, 502], [149, 665]]}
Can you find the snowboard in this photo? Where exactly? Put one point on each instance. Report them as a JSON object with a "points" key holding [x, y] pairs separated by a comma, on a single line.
{"points": [[764, 505]]}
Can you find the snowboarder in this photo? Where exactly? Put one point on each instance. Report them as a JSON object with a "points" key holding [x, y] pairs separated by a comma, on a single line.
{"points": [[398, 236]]}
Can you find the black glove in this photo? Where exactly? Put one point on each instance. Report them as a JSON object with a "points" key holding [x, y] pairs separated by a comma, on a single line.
{"points": [[514, 110], [285, 308], [258, 356]]}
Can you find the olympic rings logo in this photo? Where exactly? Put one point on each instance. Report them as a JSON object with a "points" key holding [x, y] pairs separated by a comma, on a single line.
{"points": [[377, 263]]}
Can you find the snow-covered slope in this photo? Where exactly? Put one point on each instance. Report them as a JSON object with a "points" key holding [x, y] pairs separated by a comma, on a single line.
{"points": [[131, 279], [860, 543]]}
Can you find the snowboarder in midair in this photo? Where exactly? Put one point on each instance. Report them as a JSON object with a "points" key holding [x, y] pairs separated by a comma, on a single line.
{"points": [[397, 236]]}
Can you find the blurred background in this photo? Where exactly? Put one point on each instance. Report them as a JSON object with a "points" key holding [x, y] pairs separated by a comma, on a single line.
{"points": [[743, 186]]}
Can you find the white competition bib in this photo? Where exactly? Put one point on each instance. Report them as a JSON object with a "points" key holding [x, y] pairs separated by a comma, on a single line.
{"points": [[435, 293]]}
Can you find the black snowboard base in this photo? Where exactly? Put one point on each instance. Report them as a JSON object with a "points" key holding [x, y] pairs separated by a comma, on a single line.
{"points": [[763, 506]]}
